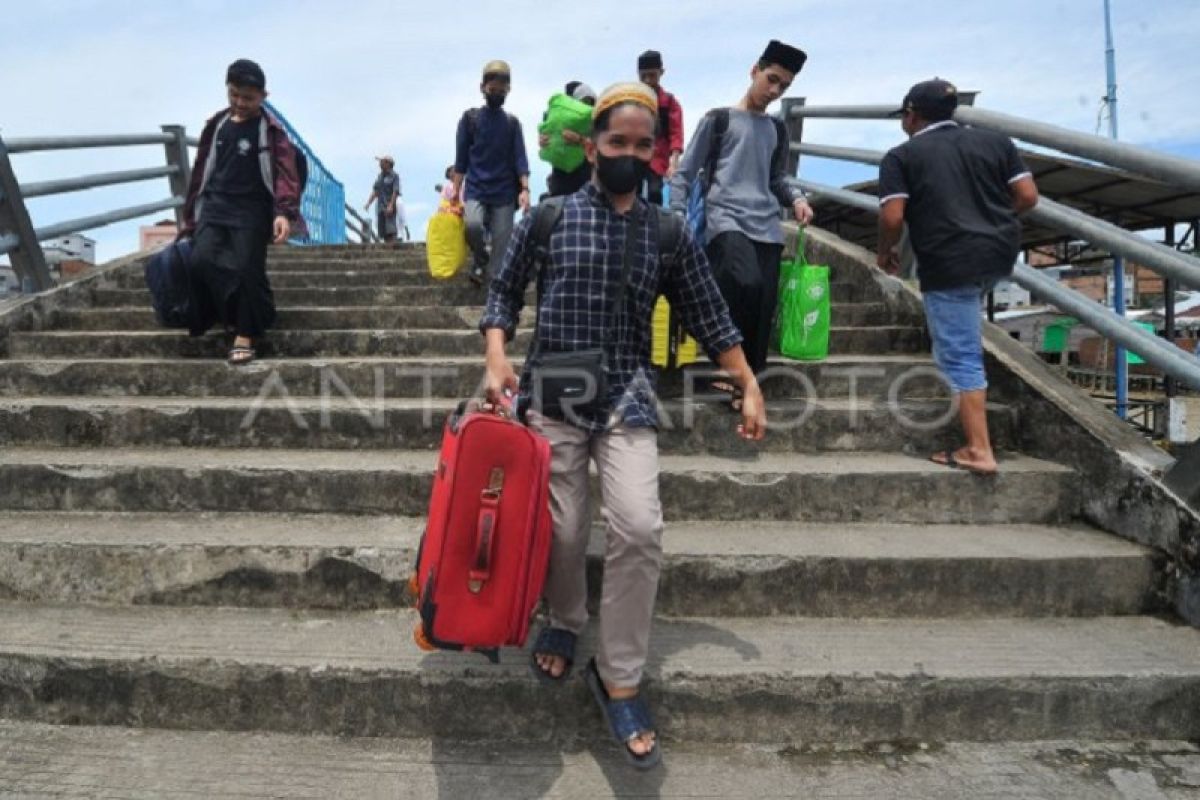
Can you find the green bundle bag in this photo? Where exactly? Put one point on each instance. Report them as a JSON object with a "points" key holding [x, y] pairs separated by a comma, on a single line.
{"points": [[565, 113], [803, 320]]}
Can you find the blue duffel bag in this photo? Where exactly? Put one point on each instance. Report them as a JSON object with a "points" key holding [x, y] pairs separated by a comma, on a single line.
{"points": [[167, 279]]}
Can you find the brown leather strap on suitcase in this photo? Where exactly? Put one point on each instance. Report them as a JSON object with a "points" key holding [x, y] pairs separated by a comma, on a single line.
{"points": [[485, 533]]}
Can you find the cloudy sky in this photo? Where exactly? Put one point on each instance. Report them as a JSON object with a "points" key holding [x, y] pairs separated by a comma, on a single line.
{"points": [[363, 77]]}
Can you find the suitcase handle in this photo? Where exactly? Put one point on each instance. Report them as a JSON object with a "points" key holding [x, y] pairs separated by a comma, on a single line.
{"points": [[485, 531]]}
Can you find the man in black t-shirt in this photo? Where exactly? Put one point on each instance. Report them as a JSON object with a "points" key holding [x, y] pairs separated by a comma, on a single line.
{"points": [[960, 191]]}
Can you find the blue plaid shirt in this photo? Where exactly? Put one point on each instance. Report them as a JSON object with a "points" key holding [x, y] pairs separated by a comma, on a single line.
{"points": [[585, 258]]}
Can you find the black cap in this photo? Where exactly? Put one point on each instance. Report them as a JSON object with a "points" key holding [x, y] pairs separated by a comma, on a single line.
{"points": [[934, 100], [790, 58], [651, 59], [245, 72]]}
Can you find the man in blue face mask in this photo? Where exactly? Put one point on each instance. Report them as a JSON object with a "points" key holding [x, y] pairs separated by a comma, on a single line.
{"points": [[490, 155], [600, 267]]}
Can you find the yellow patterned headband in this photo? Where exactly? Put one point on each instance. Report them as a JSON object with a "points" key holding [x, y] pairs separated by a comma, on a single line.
{"points": [[629, 92]]}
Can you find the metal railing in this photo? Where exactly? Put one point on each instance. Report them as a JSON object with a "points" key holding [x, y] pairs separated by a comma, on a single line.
{"points": [[21, 240], [322, 203], [324, 195], [1168, 262], [359, 226]]}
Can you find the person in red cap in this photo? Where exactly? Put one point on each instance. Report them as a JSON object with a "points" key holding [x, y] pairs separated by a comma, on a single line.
{"points": [[668, 139], [244, 193], [960, 191]]}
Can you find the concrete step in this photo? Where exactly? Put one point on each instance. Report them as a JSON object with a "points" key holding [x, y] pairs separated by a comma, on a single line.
{"points": [[362, 342], [399, 261], [335, 421], [709, 679], [288, 344], [292, 279], [336, 317], [77, 762], [347, 251], [868, 378], [709, 569], [849, 487], [451, 293], [846, 315]]}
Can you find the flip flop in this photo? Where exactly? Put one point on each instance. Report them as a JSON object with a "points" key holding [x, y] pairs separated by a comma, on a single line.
{"points": [[240, 355], [946, 458], [627, 720], [553, 642]]}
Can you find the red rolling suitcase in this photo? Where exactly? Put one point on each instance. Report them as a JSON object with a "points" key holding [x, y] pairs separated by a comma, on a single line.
{"points": [[483, 558]]}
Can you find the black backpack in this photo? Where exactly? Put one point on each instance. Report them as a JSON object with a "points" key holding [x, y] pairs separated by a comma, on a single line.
{"points": [[167, 279]]}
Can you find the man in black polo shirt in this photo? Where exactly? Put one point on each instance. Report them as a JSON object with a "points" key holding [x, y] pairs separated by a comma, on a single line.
{"points": [[960, 191]]}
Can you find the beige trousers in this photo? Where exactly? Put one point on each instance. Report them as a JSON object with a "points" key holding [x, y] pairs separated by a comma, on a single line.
{"points": [[627, 461]]}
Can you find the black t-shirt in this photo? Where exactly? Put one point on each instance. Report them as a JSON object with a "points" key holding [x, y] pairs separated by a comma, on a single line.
{"points": [[959, 209], [235, 194]]}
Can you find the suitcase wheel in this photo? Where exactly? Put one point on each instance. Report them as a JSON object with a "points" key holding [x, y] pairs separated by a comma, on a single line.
{"points": [[419, 638]]}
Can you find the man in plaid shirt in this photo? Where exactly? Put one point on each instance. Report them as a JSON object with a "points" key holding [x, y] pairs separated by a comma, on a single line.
{"points": [[582, 266]]}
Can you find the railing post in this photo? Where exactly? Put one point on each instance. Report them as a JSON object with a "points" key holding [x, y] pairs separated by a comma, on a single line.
{"points": [[178, 157], [27, 259], [795, 129]]}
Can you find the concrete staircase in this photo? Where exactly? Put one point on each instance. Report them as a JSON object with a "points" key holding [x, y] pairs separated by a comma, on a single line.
{"points": [[189, 545]]}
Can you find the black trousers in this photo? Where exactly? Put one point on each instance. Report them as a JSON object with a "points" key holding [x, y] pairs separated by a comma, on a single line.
{"points": [[654, 189], [229, 279], [747, 273]]}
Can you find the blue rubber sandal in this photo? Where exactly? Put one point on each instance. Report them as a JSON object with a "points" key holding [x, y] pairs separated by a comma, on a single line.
{"points": [[553, 642], [627, 719]]}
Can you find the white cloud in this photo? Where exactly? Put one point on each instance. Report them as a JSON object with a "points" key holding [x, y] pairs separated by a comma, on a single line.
{"points": [[361, 78]]}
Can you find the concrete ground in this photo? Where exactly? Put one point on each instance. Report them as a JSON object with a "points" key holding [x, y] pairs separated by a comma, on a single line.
{"points": [[40, 761]]}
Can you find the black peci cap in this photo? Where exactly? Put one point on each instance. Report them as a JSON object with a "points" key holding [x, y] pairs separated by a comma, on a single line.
{"points": [[651, 59], [790, 58]]}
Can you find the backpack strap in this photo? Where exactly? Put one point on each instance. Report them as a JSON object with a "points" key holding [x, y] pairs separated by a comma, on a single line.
{"points": [[670, 232], [720, 124], [546, 215]]}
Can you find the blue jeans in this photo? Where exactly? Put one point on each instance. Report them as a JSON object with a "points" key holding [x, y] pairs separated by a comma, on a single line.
{"points": [[956, 327]]}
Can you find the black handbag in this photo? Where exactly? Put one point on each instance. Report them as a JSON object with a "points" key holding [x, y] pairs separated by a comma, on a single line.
{"points": [[567, 385]]}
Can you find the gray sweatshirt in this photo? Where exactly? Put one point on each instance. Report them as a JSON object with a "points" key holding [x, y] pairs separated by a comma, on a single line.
{"points": [[748, 189]]}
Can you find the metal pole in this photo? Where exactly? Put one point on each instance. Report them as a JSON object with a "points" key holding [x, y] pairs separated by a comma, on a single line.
{"points": [[178, 156], [27, 258], [795, 129], [1110, 98], [1169, 297], [1168, 358]]}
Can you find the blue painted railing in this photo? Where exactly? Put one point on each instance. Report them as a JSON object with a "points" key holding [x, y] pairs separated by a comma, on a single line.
{"points": [[324, 202]]}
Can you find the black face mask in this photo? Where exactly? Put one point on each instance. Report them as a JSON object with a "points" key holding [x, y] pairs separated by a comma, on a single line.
{"points": [[622, 174], [494, 100]]}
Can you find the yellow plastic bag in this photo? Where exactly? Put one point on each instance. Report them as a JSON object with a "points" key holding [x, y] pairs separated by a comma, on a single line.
{"points": [[670, 346], [445, 243]]}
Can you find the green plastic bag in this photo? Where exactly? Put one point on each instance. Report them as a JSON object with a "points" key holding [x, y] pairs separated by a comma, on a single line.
{"points": [[804, 313], [565, 113]]}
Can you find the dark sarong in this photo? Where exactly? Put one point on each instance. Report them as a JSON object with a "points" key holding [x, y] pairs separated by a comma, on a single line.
{"points": [[229, 279]]}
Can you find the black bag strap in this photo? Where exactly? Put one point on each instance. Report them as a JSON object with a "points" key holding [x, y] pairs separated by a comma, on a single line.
{"points": [[720, 125]]}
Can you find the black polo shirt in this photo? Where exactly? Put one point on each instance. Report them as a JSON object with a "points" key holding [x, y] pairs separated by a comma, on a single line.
{"points": [[957, 184]]}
